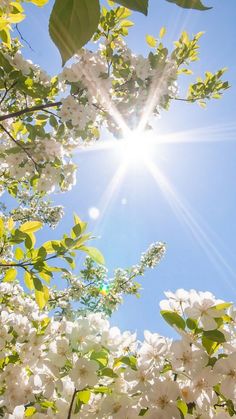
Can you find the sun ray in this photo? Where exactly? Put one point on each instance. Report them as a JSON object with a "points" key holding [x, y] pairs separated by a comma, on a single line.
{"points": [[185, 214], [208, 134], [109, 196]]}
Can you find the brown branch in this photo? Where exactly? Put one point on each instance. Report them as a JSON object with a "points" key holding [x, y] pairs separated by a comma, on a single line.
{"points": [[7, 90], [29, 110], [20, 145], [71, 404]]}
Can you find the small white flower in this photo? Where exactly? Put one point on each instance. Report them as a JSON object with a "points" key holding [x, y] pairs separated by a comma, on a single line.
{"points": [[84, 373]]}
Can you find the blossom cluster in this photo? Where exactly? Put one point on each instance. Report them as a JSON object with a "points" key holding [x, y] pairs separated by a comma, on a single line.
{"points": [[88, 369], [94, 290], [121, 93]]}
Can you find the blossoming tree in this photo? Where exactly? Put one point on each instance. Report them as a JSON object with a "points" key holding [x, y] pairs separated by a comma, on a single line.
{"points": [[59, 356]]}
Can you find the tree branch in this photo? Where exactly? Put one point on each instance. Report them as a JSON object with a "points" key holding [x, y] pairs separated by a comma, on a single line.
{"points": [[71, 404], [29, 110], [7, 90], [20, 145], [22, 38]]}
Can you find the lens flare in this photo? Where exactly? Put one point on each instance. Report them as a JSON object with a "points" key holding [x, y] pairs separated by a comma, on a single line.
{"points": [[136, 146]]}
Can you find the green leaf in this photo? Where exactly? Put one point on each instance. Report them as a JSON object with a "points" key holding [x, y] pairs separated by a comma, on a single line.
{"points": [[19, 254], [101, 357], [2, 228], [214, 335], [108, 372], [10, 275], [102, 390], [209, 345], [191, 323], [222, 306], [29, 280], [38, 3], [151, 41], [173, 319], [94, 253], [69, 242], [131, 361], [182, 407], [50, 245], [77, 230], [30, 226], [143, 411], [46, 275], [162, 32], [126, 23], [190, 4], [37, 283], [30, 411], [83, 396], [29, 240], [42, 296], [82, 224], [138, 5], [72, 24]]}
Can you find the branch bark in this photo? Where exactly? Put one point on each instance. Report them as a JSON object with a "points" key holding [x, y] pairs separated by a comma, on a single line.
{"points": [[20, 145], [71, 404], [29, 110]]}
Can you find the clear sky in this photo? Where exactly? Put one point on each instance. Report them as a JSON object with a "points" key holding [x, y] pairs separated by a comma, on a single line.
{"points": [[195, 215]]}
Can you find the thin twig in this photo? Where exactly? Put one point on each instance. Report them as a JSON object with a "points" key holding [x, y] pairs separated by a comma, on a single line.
{"points": [[20, 145], [71, 404], [22, 38], [29, 110], [7, 90], [52, 113]]}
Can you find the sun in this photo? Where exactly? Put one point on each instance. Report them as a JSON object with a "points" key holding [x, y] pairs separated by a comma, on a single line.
{"points": [[136, 146]]}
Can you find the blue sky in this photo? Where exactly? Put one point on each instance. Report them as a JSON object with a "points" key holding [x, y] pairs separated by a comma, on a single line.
{"points": [[200, 168]]}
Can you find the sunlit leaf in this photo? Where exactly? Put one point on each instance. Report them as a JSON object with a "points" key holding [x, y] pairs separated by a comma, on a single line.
{"points": [[173, 319], [10, 275], [138, 5], [151, 41], [72, 24], [94, 253], [190, 4], [30, 226]]}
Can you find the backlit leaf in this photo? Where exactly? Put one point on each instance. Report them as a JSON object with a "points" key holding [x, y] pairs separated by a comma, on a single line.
{"points": [[190, 4], [10, 275], [138, 5], [72, 24], [30, 226]]}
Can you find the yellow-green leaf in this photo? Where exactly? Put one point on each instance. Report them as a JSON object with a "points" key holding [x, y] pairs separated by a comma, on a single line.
{"points": [[151, 41], [19, 254], [49, 245], [10, 224], [10, 275], [162, 32], [38, 3], [126, 23], [41, 295], [83, 396], [31, 226], [2, 228], [30, 411], [94, 253], [5, 36], [29, 280]]}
